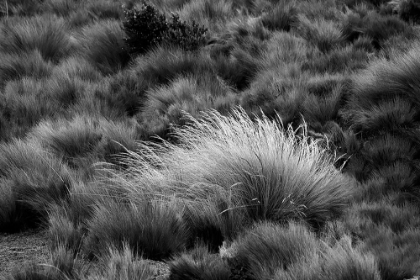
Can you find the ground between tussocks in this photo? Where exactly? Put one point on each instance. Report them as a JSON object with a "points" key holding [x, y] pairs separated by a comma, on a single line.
{"points": [[19, 249]]}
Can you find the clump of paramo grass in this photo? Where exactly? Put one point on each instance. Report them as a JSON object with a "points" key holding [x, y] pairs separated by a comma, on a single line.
{"points": [[48, 34], [152, 229], [102, 44], [199, 264], [271, 251], [123, 264], [253, 171], [31, 178]]}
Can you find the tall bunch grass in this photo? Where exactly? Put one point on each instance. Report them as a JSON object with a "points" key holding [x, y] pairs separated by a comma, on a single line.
{"points": [[47, 34], [152, 229], [262, 171], [31, 179], [102, 44]]}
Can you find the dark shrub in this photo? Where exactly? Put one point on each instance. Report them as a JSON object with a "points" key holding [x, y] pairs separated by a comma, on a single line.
{"points": [[144, 28], [147, 27], [187, 37]]}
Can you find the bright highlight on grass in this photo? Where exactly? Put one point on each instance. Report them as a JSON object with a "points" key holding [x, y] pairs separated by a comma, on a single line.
{"points": [[227, 172]]}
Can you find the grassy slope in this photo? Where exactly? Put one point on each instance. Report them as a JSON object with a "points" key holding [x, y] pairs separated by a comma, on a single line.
{"points": [[330, 193]]}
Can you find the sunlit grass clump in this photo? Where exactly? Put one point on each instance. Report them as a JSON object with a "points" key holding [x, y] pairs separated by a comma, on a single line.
{"points": [[225, 173]]}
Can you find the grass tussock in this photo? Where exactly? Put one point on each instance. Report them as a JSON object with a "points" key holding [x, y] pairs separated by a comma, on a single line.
{"points": [[152, 229], [47, 34], [258, 164], [85, 138], [270, 251], [325, 35], [122, 264], [165, 106], [31, 179], [199, 264], [102, 44], [281, 17], [16, 66]]}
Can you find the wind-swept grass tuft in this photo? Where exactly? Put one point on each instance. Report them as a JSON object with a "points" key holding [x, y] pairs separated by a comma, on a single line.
{"points": [[267, 172], [259, 163]]}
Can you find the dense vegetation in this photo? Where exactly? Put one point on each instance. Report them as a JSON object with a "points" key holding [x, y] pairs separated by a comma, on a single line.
{"points": [[231, 139]]}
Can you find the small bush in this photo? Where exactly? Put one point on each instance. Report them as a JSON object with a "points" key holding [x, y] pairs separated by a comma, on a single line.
{"points": [[187, 37], [146, 28]]}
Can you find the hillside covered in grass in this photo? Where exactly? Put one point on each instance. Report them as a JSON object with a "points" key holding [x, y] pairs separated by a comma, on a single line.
{"points": [[228, 139]]}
